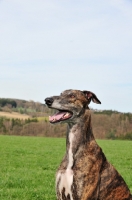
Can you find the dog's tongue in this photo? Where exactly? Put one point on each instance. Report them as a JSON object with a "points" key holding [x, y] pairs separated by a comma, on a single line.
{"points": [[57, 116]]}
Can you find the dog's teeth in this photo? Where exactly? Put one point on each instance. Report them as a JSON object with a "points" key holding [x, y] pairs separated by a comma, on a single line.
{"points": [[66, 115]]}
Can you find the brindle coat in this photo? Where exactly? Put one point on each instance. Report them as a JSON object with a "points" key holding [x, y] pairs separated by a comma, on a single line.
{"points": [[90, 176]]}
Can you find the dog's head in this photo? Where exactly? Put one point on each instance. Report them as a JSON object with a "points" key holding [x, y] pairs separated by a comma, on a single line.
{"points": [[70, 104]]}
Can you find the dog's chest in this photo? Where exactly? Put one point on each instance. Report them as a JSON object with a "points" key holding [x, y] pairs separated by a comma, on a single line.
{"points": [[64, 181]]}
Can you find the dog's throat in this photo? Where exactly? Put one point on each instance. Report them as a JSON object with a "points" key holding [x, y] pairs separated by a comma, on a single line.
{"points": [[60, 116]]}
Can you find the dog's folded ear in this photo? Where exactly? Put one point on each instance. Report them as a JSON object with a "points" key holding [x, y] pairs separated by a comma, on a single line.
{"points": [[91, 96]]}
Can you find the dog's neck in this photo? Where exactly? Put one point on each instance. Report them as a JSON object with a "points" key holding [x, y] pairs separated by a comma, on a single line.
{"points": [[79, 133]]}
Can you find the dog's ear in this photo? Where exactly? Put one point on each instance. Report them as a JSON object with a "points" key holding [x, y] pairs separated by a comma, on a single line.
{"points": [[91, 96]]}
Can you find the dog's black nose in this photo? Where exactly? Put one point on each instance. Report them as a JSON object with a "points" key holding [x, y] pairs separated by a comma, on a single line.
{"points": [[49, 101]]}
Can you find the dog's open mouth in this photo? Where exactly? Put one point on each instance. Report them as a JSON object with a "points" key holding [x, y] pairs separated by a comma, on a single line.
{"points": [[60, 116]]}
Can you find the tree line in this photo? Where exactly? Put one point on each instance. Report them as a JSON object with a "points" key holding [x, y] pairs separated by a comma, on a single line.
{"points": [[106, 124], [116, 126], [30, 127], [4, 102]]}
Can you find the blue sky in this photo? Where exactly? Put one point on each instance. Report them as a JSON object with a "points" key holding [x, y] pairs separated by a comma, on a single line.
{"points": [[49, 46]]}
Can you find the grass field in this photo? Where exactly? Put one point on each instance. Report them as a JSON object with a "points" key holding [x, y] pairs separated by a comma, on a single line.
{"points": [[28, 165]]}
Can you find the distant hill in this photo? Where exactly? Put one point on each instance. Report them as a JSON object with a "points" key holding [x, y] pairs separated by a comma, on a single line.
{"points": [[31, 108], [21, 117]]}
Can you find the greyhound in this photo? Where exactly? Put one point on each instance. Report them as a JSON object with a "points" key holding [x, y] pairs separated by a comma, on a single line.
{"points": [[84, 173]]}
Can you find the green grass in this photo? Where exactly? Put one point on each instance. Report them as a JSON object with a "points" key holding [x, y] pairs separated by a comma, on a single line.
{"points": [[28, 165], [43, 119]]}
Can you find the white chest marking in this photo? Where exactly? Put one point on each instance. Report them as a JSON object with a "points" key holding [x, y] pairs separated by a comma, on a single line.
{"points": [[66, 178]]}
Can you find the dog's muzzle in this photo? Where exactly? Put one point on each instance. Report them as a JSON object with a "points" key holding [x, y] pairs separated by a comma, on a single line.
{"points": [[61, 115]]}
